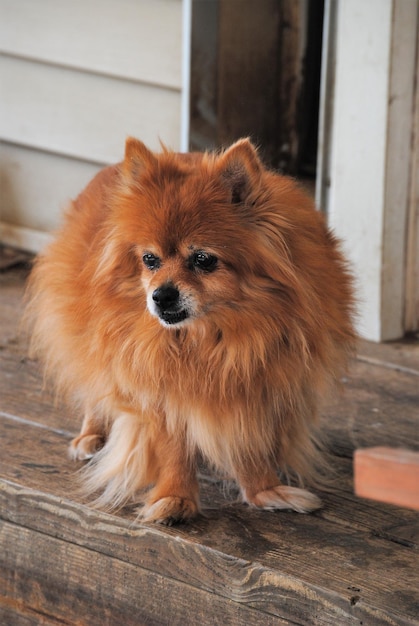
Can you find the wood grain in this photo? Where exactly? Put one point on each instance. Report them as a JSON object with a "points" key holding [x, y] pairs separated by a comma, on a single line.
{"points": [[243, 555], [63, 586]]}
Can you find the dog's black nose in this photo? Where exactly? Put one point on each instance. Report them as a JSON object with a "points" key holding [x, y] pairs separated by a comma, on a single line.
{"points": [[166, 297]]}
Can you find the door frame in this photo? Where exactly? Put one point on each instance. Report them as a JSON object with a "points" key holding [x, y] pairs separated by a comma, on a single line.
{"points": [[365, 165]]}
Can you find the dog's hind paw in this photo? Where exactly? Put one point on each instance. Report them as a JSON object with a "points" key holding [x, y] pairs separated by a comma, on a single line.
{"points": [[283, 497], [169, 510], [84, 447]]}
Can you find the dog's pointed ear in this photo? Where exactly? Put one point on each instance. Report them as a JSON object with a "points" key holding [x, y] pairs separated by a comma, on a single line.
{"points": [[240, 169], [137, 157]]}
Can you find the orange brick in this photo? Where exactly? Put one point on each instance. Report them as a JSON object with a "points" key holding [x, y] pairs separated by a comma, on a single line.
{"points": [[388, 475]]}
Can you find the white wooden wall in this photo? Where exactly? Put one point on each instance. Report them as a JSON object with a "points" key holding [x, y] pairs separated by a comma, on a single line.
{"points": [[368, 154], [76, 78]]}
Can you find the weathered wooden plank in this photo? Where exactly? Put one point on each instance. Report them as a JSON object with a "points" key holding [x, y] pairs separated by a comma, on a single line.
{"points": [[369, 411], [219, 551], [273, 578], [140, 41], [79, 586], [10, 617], [36, 457], [341, 506], [22, 392], [56, 109], [23, 395], [397, 355], [388, 475]]}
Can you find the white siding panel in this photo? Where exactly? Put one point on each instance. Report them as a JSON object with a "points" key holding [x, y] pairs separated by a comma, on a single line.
{"points": [[135, 39], [80, 114], [35, 187]]}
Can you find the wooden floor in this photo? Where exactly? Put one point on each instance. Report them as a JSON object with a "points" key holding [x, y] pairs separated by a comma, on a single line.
{"points": [[61, 562]]}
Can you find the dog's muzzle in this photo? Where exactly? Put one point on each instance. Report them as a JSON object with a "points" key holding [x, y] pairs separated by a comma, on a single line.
{"points": [[168, 304]]}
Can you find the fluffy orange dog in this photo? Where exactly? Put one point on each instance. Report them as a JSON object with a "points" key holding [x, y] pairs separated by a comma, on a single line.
{"points": [[193, 306]]}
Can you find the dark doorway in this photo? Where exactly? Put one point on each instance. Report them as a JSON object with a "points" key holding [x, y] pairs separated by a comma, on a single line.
{"points": [[256, 72]]}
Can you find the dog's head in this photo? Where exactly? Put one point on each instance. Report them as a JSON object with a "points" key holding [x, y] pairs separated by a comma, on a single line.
{"points": [[194, 224], [188, 223]]}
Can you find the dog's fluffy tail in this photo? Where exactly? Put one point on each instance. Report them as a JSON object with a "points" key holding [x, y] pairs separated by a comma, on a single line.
{"points": [[123, 466]]}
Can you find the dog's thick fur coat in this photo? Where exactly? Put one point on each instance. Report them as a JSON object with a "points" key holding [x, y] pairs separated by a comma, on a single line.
{"points": [[193, 305]]}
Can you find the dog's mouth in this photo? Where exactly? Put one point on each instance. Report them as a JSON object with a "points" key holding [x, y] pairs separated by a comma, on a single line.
{"points": [[169, 305], [173, 317]]}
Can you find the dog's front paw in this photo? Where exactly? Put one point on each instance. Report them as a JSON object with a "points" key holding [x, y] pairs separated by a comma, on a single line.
{"points": [[284, 497], [169, 510], [84, 447]]}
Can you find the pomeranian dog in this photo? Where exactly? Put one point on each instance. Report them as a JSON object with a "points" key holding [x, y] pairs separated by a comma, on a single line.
{"points": [[193, 306]]}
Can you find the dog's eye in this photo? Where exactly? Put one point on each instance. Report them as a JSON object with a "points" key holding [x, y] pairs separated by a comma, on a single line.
{"points": [[151, 261], [204, 261]]}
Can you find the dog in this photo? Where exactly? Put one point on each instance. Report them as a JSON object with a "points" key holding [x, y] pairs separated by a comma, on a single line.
{"points": [[194, 306]]}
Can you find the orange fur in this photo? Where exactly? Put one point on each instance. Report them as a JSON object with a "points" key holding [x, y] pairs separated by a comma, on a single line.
{"points": [[267, 327]]}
